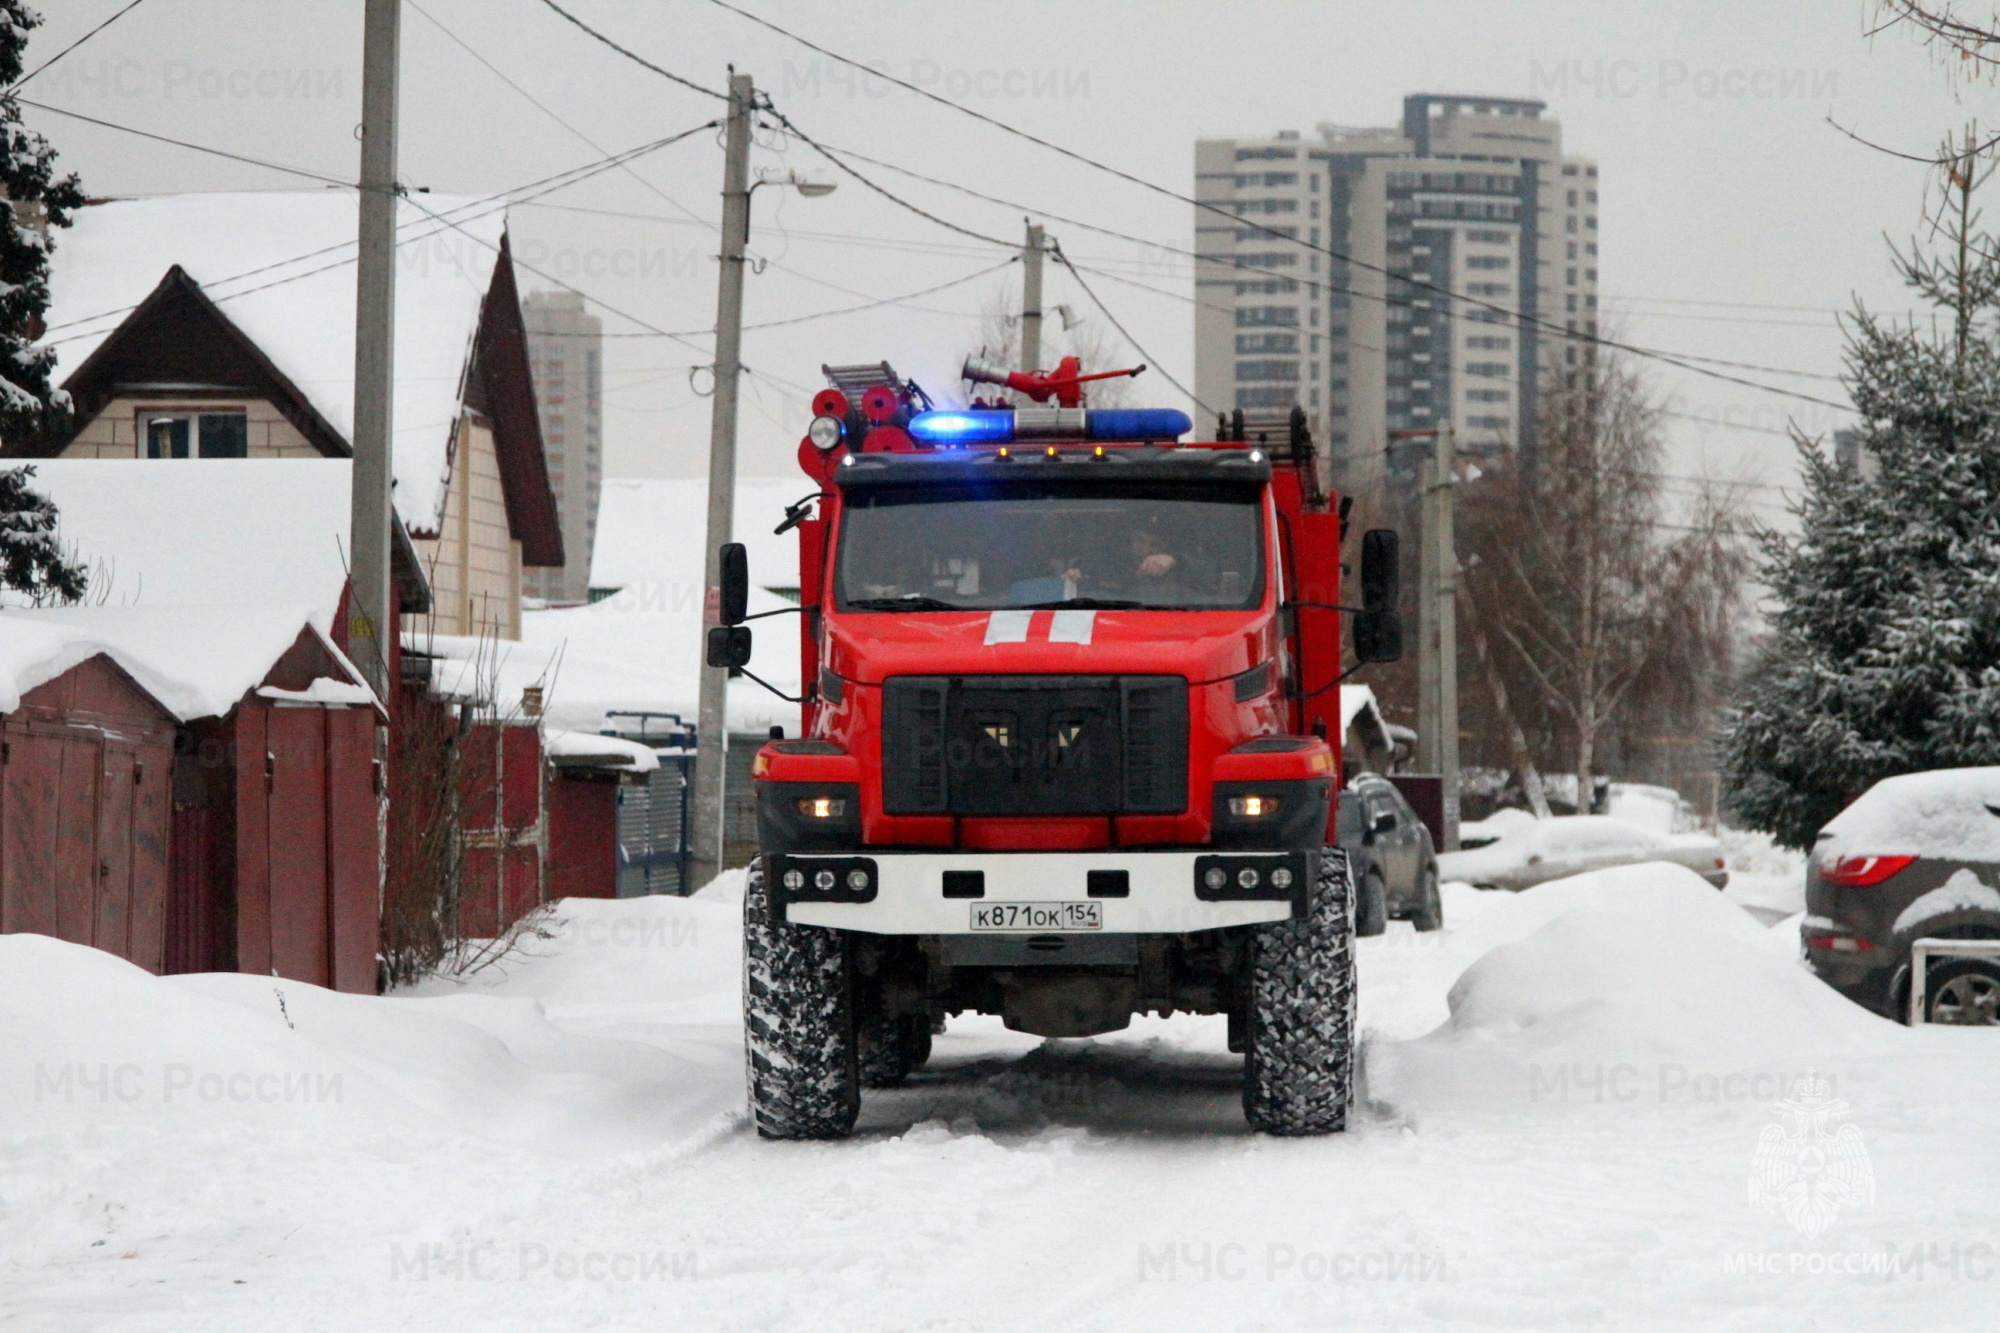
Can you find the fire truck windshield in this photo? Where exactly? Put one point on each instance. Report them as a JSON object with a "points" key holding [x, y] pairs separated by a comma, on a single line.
{"points": [[1050, 544]]}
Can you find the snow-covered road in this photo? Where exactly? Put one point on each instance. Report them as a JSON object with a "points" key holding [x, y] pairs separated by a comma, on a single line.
{"points": [[1566, 1091]]}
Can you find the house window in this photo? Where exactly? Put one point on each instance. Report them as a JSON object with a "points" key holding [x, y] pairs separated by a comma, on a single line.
{"points": [[195, 434]]}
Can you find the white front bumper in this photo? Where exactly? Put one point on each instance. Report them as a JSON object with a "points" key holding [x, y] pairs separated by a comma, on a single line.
{"points": [[909, 898]]}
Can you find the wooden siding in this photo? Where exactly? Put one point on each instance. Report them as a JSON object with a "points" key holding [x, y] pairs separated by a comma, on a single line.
{"points": [[473, 561], [114, 432]]}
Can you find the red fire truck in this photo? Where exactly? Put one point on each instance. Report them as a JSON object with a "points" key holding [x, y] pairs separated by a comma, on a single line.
{"points": [[1071, 729]]}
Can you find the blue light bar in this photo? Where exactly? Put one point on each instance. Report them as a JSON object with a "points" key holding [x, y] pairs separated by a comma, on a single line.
{"points": [[1137, 423], [963, 427], [997, 427]]}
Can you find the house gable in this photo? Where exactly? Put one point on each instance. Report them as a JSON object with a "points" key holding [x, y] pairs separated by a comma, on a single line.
{"points": [[500, 386]]}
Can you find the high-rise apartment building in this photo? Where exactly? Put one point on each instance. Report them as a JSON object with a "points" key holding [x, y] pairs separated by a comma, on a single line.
{"points": [[566, 356], [1418, 275]]}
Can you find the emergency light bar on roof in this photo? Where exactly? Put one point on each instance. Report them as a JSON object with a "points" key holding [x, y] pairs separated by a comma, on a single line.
{"points": [[999, 426]]}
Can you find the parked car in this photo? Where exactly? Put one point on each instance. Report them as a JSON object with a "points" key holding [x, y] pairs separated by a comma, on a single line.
{"points": [[1514, 850], [1915, 857], [1395, 864]]}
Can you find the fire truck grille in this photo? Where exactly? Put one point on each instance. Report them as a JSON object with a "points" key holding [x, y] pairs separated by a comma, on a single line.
{"points": [[1034, 745]]}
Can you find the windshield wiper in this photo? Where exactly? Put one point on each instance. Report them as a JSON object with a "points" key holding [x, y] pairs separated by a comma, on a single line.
{"points": [[912, 602], [1084, 604]]}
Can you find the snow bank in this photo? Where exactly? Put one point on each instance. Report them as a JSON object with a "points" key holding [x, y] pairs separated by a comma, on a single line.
{"points": [[87, 1039], [1950, 813], [1644, 967], [1765, 879]]}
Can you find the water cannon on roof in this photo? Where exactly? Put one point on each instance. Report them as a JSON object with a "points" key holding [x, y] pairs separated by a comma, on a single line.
{"points": [[1065, 383]]}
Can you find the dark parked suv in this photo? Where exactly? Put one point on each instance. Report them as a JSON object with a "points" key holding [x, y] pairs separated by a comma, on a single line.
{"points": [[1394, 862], [1917, 857]]}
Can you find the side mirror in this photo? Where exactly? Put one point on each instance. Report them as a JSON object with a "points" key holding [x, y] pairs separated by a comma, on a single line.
{"points": [[729, 645], [735, 577], [1384, 823], [1378, 636], [1380, 579]]}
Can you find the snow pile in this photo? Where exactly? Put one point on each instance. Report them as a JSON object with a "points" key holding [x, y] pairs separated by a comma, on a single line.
{"points": [[1644, 967], [1948, 813], [1766, 880], [1660, 809], [280, 266], [87, 1039]]}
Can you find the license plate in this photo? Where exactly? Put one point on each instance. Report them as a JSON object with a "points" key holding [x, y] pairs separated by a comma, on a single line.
{"points": [[1042, 917]]}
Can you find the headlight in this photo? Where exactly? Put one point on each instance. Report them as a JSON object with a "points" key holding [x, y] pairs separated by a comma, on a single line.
{"points": [[795, 880], [1247, 877], [824, 881], [857, 880], [825, 432], [1253, 807], [1281, 878], [1215, 877], [822, 807]]}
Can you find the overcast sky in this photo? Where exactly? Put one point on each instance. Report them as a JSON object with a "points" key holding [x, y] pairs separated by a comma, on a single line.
{"points": [[1736, 220]]}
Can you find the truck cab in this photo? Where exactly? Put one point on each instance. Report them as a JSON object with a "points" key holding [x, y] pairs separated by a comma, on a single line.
{"points": [[1070, 751]]}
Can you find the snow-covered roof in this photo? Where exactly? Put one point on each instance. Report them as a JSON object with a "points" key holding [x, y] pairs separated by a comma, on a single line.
{"points": [[197, 661], [1949, 813], [615, 656], [206, 532], [1354, 701], [651, 532], [281, 266], [608, 751]]}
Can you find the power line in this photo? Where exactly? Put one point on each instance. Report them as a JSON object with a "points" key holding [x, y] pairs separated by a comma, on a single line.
{"points": [[195, 147], [1594, 339], [22, 81], [895, 199], [498, 202], [634, 56], [1239, 266], [1063, 259]]}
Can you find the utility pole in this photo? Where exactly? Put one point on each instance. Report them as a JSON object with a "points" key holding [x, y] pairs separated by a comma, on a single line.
{"points": [[1031, 300], [1437, 612], [371, 618], [710, 732]]}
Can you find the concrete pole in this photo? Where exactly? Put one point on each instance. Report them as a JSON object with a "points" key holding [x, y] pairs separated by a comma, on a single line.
{"points": [[370, 619], [1437, 633], [1031, 300], [705, 845], [1445, 561]]}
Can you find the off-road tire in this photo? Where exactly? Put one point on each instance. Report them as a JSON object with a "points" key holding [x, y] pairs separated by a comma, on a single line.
{"points": [[1298, 1068], [917, 1040], [1429, 911], [798, 1024], [1371, 908], [884, 1050]]}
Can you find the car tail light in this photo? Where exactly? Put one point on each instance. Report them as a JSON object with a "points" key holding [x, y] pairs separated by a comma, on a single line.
{"points": [[1859, 872], [1839, 943]]}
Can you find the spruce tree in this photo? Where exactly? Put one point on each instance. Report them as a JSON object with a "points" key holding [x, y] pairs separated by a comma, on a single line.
{"points": [[1884, 656], [31, 558], [29, 405]]}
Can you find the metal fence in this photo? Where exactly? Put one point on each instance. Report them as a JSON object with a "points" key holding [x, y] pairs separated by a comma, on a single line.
{"points": [[654, 817]]}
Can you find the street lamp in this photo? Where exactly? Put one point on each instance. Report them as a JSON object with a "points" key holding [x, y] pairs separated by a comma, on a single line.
{"points": [[706, 842]]}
